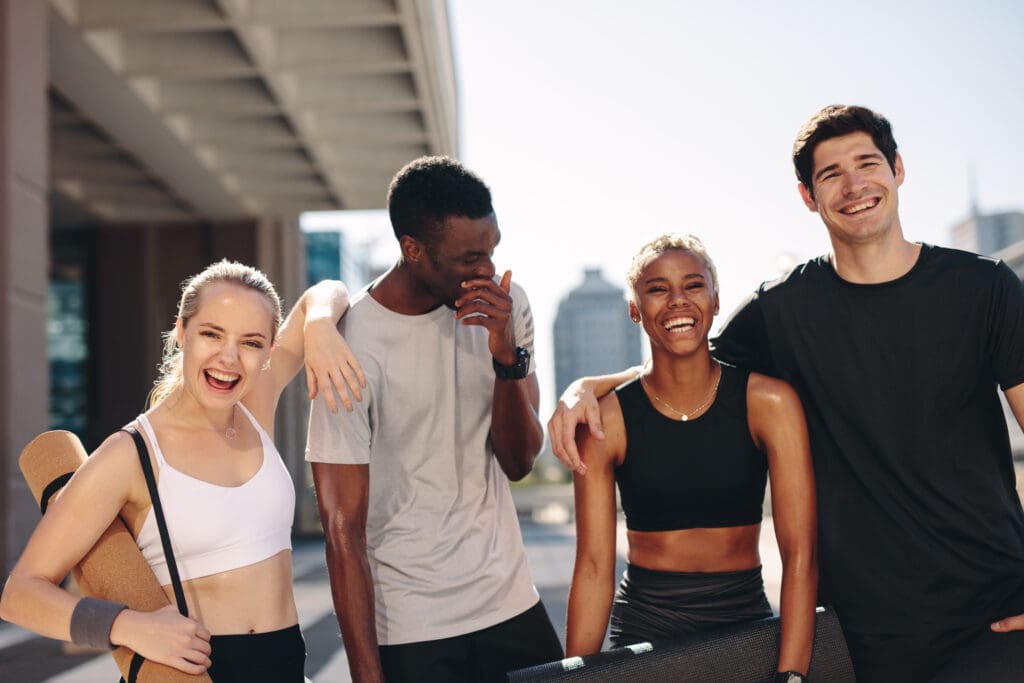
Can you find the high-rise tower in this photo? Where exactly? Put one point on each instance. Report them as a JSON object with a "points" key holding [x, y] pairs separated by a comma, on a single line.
{"points": [[593, 332]]}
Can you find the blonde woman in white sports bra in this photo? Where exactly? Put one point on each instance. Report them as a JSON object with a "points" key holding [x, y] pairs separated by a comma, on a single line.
{"points": [[227, 497]]}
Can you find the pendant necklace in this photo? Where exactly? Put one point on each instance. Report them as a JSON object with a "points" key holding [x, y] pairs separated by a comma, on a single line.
{"points": [[228, 432], [684, 416]]}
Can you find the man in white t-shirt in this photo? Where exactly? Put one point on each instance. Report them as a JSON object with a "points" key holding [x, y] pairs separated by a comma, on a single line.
{"points": [[426, 560]]}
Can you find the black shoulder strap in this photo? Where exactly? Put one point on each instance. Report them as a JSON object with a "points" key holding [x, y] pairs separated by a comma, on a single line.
{"points": [[165, 539], [52, 488], [134, 667]]}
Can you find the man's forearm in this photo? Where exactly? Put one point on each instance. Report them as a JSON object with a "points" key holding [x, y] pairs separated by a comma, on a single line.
{"points": [[516, 433], [602, 385], [352, 592]]}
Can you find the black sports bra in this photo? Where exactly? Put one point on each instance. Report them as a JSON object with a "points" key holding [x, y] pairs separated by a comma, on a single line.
{"points": [[703, 473]]}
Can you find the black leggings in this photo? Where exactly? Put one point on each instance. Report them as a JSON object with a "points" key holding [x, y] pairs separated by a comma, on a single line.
{"points": [[655, 605], [274, 657]]}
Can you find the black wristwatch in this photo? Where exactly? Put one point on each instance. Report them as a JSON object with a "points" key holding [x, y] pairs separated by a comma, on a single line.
{"points": [[518, 370], [790, 677]]}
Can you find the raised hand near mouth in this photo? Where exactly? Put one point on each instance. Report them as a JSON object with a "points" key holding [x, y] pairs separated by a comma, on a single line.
{"points": [[488, 303]]}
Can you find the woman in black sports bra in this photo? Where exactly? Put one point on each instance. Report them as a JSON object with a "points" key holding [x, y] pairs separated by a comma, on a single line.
{"points": [[690, 443]]}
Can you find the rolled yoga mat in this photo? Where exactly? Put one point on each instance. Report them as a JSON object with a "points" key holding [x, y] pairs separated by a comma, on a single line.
{"points": [[737, 653], [114, 569]]}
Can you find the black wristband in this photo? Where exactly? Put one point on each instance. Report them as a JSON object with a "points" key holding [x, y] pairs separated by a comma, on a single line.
{"points": [[518, 370], [790, 677], [92, 620]]}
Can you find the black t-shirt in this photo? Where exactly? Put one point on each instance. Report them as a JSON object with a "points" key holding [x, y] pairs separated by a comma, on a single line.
{"points": [[921, 528]]}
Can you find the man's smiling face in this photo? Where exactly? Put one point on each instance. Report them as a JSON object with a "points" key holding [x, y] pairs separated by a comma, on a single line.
{"points": [[855, 189]]}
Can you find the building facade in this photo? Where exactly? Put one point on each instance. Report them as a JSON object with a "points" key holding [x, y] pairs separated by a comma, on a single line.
{"points": [[989, 233], [1001, 236], [141, 141], [593, 333]]}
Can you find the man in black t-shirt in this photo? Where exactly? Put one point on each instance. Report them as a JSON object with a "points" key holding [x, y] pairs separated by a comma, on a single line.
{"points": [[897, 350]]}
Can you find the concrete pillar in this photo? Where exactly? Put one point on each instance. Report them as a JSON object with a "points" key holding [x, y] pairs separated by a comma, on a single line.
{"points": [[24, 179], [281, 255]]}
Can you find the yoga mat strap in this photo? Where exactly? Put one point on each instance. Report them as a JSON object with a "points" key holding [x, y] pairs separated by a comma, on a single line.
{"points": [[134, 667], [52, 488]]}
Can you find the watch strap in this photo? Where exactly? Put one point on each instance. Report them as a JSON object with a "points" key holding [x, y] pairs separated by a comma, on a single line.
{"points": [[518, 370]]}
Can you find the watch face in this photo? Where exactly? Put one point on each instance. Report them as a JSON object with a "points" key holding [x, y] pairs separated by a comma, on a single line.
{"points": [[517, 370]]}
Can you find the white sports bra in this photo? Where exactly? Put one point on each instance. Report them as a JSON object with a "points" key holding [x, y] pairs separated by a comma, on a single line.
{"points": [[214, 528]]}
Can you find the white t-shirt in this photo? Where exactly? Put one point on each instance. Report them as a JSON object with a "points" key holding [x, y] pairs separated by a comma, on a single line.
{"points": [[442, 537]]}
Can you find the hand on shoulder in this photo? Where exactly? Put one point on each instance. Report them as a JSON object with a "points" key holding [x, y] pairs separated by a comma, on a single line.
{"points": [[332, 368], [577, 405]]}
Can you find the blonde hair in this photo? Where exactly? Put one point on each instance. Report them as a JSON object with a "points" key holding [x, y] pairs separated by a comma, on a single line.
{"points": [[226, 271], [690, 244]]}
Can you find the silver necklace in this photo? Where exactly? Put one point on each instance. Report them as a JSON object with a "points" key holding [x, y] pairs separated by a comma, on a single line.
{"points": [[684, 416], [229, 432]]}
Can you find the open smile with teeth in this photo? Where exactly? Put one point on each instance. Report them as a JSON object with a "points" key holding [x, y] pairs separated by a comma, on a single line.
{"points": [[223, 381], [682, 324], [860, 206]]}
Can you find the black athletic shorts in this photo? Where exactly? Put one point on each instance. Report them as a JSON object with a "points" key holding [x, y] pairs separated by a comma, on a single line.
{"points": [[652, 605], [274, 657], [485, 655]]}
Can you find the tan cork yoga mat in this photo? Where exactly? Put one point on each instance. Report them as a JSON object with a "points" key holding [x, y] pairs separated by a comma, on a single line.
{"points": [[114, 569]]}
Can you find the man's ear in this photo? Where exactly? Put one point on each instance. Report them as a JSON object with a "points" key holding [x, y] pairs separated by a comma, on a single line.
{"points": [[805, 195], [898, 164], [412, 249]]}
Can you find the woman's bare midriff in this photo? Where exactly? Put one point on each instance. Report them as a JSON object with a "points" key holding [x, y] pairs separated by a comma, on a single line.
{"points": [[252, 599], [696, 550]]}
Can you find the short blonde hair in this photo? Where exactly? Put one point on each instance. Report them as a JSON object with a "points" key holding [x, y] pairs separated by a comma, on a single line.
{"points": [[690, 244], [230, 272]]}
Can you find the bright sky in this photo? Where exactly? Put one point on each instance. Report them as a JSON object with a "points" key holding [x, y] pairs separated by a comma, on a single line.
{"points": [[599, 125]]}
